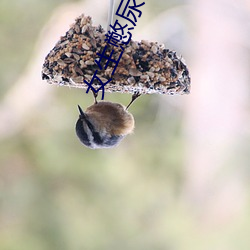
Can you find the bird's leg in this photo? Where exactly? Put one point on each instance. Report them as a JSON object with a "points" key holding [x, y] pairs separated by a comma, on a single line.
{"points": [[95, 94], [134, 97]]}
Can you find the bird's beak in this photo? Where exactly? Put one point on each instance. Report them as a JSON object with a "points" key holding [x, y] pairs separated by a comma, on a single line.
{"points": [[82, 115]]}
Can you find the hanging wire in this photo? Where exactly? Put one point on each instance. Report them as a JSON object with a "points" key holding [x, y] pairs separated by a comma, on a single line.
{"points": [[110, 13]]}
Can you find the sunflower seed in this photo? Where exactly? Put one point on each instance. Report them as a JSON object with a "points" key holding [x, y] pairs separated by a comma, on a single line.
{"points": [[88, 62], [85, 46], [154, 49]]}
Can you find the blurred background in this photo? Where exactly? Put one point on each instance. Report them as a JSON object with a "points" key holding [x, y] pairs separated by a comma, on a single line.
{"points": [[180, 182]]}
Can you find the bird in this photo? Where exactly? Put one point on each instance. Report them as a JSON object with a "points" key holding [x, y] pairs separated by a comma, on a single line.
{"points": [[104, 124]]}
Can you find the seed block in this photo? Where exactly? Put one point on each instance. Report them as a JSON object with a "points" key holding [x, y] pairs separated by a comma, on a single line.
{"points": [[145, 67]]}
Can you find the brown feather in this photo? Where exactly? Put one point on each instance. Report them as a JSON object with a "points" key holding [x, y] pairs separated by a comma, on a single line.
{"points": [[111, 117]]}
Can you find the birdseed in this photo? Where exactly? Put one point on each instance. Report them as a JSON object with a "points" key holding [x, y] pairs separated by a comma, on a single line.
{"points": [[146, 67]]}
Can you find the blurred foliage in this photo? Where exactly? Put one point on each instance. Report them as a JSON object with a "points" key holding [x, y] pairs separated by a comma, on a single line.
{"points": [[20, 23]]}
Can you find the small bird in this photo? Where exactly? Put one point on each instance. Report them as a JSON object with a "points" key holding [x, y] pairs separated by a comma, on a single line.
{"points": [[104, 124]]}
